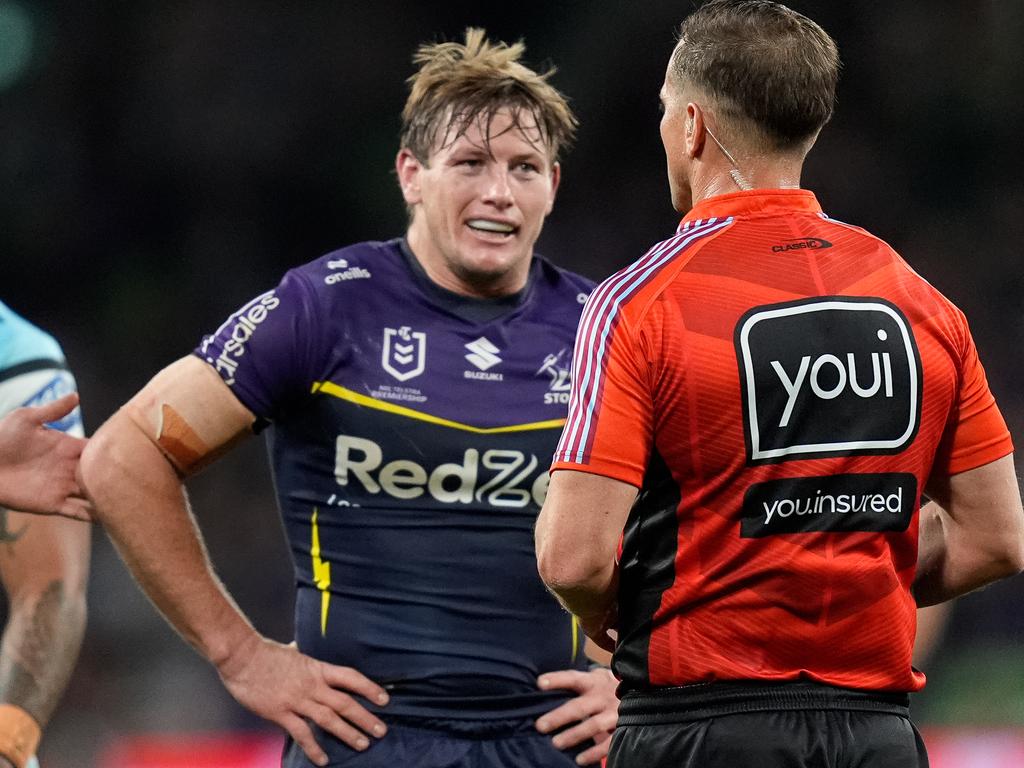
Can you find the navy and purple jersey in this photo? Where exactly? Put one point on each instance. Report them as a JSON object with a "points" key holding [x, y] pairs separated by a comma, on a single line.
{"points": [[411, 434]]}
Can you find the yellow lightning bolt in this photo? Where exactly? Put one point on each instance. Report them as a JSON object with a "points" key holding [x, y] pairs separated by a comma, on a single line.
{"points": [[321, 575], [575, 638]]}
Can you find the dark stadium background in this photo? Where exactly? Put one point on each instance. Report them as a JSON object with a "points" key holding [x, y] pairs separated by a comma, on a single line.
{"points": [[163, 162]]}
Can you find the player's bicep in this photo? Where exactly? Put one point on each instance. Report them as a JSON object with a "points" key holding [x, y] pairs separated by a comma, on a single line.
{"points": [[190, 414]]}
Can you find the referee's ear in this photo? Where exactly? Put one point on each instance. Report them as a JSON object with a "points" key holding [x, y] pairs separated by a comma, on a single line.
{"points": [[696, 131]]}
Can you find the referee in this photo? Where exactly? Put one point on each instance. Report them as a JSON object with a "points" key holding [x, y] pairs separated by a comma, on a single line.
{"points": [[775, 390]]}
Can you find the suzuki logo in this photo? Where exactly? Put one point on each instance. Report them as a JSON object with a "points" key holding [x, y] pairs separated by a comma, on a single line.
{"points": [[483, 354]]}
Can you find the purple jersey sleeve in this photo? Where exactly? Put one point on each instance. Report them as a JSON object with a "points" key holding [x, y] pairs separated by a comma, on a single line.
{"points": [[266, 351]]}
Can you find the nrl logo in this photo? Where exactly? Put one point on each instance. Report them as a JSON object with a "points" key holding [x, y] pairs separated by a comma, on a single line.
{"points": [[404, 354]]}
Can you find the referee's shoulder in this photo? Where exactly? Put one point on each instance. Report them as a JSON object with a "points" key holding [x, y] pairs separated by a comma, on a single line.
{"points": [[634, 286], [922, 297]]}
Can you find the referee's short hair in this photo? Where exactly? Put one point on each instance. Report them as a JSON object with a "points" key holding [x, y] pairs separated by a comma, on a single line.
{"points": [[459, 84], [761, 62]]}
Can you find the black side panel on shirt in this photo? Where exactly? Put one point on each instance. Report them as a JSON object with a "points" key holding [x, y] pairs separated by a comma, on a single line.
{"points": [[647, 567]]}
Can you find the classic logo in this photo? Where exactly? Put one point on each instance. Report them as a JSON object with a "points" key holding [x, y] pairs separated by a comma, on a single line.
{"points": [[801, 244], [404, 352], [831, 376], [561, 383]]}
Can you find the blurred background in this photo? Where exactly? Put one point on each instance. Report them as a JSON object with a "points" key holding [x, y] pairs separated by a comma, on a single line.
{"points": [[165, 162]]}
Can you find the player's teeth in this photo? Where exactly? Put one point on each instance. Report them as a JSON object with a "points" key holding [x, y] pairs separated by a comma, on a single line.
{"points": [[490, 226]]}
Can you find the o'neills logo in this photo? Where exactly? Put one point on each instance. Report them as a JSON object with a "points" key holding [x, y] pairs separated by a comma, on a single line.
{"points": [[801, 244], [864, 502], [245, 322]]}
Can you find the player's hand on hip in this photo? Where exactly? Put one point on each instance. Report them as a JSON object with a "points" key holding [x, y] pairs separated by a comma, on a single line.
{"points": [[592, 713], [287, 687], [37, 464]]}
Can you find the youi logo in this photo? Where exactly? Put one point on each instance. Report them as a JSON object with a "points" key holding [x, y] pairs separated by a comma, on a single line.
{"points": [[830, 376]]}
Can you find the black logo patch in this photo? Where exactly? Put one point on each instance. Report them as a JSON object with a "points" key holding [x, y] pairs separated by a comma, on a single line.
{"points": [[837, 503], [801, 244], [830, 376]]}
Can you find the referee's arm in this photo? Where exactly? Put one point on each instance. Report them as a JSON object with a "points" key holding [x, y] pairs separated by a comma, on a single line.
{"points": [[971, 534], [577, 535]]}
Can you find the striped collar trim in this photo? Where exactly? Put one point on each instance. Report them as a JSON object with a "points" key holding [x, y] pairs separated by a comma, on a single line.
{"points": [[755, 201]]}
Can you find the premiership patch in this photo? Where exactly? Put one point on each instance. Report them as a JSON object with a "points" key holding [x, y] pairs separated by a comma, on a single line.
{"points": [[404, 352]]}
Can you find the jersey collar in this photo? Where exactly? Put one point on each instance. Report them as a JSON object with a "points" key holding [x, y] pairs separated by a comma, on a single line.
{"points": [[755, 201], [470, 308]]}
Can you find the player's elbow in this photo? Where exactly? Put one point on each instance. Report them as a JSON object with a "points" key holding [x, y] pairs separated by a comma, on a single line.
{"points": [[118, 455], [97, 464]]}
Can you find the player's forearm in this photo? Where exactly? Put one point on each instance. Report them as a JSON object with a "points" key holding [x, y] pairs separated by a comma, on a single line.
{"points": [[142, 504], [40, 645], [953, 561]]}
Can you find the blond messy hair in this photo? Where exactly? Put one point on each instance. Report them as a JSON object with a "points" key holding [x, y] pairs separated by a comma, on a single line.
{"points": [[459, 84]]}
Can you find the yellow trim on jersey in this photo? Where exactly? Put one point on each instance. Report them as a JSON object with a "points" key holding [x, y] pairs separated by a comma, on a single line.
{"points": [[575, 638], [330, 388], [321, 575]]}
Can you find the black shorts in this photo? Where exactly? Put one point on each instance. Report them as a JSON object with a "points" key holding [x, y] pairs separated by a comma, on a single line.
{"points": [[790, 725], [437, 743]]}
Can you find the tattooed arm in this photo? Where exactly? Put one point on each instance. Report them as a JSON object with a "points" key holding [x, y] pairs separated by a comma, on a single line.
{"points": [[44, 563]]}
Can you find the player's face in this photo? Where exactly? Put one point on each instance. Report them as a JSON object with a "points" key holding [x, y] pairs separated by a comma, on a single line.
{"points": [[478, 206], [673, 137]]}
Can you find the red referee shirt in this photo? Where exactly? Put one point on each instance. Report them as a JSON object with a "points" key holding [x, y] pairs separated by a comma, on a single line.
{"points": [[781, 386]]}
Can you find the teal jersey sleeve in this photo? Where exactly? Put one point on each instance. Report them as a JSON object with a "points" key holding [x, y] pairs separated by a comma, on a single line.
{"points": [[33, 369]]}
